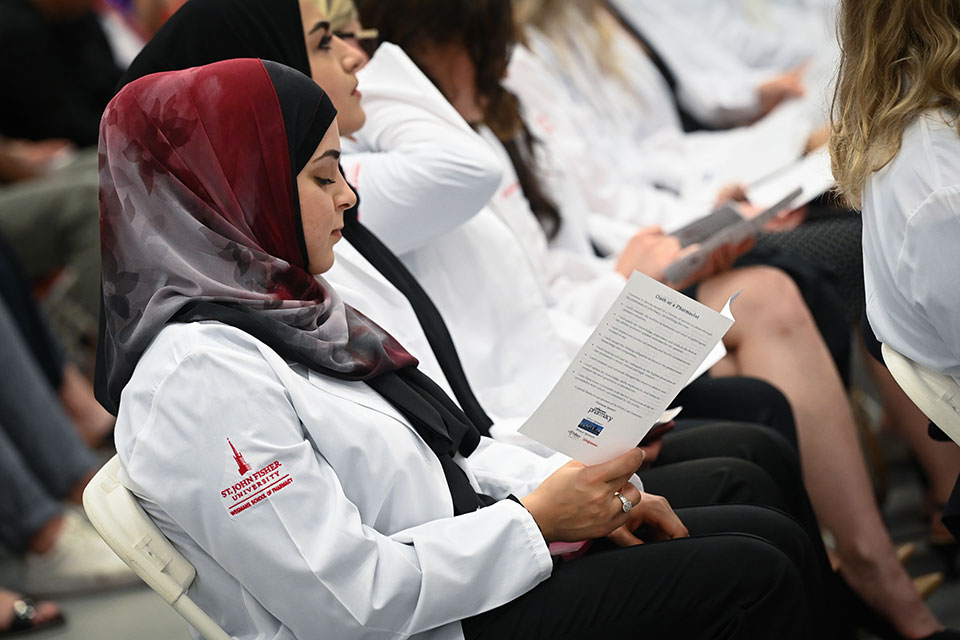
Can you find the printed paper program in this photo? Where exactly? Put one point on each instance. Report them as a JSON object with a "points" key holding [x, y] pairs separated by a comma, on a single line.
{"points": [[642, 353]]}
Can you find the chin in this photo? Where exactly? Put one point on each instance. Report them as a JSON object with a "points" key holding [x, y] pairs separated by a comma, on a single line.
{"points": [[351, 121], [323, 265]]}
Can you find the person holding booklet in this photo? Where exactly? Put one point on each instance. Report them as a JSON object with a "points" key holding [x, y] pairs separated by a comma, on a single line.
{"points": [[234, 364], [594, 100], [774, 338], [718, 462]]}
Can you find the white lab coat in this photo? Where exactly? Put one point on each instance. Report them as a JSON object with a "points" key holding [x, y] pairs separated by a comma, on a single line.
{"points": [[706, 41], [476, 272], [362, 287], [621, 140], [496, 308], [342, 525], [911, 239], [513, 344], [713, 84], [748, 34], [620, 191], [437, 173], [580, 287]]}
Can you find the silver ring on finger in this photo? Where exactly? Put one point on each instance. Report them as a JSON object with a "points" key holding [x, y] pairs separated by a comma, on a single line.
{"points": [[625, 504]]}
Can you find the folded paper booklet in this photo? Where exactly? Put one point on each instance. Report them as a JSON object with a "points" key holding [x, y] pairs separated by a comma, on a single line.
{"points": [[723, 229], [704, 228], [643, 352], [812, 173]]}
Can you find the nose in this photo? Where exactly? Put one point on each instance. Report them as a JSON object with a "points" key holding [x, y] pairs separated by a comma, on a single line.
{"points": [[352, 59], [346, 198]]}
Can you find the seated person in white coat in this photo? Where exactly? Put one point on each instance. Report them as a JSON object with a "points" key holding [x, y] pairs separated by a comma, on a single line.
{"points": [[896, 155], [776, 340], [293, 452], [717, 463]]}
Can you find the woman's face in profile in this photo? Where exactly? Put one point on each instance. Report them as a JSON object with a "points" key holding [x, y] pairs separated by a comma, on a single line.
{"points": [[324, 196], [333, 66]]}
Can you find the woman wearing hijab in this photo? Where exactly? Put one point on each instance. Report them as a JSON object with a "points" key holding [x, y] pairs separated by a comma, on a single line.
{"points": [[455, 172], [294, 453], [301, 36], [717, 463]]}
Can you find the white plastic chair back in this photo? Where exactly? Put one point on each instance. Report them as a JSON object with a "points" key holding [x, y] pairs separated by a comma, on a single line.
{"points": [[936, 394], [129, 531]]}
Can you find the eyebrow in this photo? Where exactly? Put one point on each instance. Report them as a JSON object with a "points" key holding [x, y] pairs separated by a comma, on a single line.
{"points": [[323, 24], [330, 153]]}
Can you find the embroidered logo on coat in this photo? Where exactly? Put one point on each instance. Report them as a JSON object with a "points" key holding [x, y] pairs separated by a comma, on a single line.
{"points": [[255, 487], [242, 466]]}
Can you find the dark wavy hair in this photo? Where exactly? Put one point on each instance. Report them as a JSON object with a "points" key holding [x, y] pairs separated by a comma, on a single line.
{"points": [[488, 31]]}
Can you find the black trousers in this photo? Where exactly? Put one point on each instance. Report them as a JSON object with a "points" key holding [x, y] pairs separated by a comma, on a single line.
{"points": [[758, 449], [738, 399], [745, 573], [732, 463]]}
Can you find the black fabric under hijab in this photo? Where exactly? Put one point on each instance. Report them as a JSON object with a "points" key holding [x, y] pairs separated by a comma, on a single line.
{"points": [[205, 31], [301, 104], [390, 267], [417, 397]]}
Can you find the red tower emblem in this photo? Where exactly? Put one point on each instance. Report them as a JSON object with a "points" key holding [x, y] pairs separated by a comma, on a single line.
{"points": [[242, 466]]}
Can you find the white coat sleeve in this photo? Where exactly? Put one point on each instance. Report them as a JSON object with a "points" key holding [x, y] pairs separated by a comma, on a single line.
{"points": [[712, 83], [420, 170], [305, 553], [927, 269], [502, 469]]}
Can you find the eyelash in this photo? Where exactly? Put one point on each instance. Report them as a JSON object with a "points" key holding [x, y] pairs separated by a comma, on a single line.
{"points": [[323, 182], [325, 42]]}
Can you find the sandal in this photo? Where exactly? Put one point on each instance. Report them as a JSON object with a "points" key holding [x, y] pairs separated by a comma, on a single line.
{"points": [[24, 615]]}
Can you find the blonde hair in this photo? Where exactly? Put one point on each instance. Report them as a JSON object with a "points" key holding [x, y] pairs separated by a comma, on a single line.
{"points": [[340, 13], [551, 17], [899, 58]]}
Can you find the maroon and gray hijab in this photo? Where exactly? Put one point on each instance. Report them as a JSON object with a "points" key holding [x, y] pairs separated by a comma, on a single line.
{"points": [[200, 220], [206, 31]]}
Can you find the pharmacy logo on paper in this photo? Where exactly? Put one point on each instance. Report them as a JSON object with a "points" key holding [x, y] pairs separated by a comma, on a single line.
{"points": [[590, 427]]}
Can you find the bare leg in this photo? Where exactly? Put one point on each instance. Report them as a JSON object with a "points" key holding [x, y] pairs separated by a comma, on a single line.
{"points": [[940, 460], [776, 339]]}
